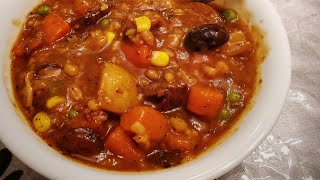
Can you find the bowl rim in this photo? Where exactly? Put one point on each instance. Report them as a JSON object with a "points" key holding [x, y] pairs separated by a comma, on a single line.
{"points": [[63, 165]]}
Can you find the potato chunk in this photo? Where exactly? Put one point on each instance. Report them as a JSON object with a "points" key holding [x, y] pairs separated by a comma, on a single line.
{"points": [[118, 91]]}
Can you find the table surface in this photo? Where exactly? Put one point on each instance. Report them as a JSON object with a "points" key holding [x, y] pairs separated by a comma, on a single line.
{"points": [[292, 150]]}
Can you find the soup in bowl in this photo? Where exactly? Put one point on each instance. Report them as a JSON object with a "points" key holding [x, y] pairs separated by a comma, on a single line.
{"points": [[143, 86]]}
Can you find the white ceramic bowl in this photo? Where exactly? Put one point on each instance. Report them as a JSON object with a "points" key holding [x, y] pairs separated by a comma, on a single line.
{"points": [[28, 147]]}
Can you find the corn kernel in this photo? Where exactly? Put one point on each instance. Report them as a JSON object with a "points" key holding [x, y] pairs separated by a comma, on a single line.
{"points": [[143, 23], [138, 128], [178, 124], [110, 37], [54, 101], [159, 58], [93, 105], [41, 122]]}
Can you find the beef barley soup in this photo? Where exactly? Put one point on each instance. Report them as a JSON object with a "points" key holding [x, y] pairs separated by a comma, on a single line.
{"points": [[133, 85]]}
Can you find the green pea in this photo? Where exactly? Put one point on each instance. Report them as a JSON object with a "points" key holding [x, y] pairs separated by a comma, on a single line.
{"points": [[44, 10], [229, 15], [234, 97], [224, 114], [72, 114], [104, 23]]}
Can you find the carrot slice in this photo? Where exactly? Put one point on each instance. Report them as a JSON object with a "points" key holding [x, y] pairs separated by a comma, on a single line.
{"points": [[120, 144], [154, 124], [54, 28], [139, 55], [204, 100]]}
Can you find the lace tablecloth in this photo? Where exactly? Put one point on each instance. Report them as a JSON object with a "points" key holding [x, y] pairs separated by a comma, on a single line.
{"points": [[292, 150]]}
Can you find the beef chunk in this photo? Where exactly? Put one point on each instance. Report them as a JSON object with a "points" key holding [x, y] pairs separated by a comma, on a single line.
{"points": [[166, 97], [164, 158], [90, 18], [82, 141]]}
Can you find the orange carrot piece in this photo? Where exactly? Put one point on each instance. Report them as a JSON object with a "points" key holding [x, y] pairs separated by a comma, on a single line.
{"points": [[204, 100], [120, 144], [139, 55], [54, 28], [155, 124]]}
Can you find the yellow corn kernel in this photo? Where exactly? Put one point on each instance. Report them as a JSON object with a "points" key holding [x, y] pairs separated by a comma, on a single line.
{"points": [[159, 58], [54, 101], [178, 124], [41, 122], [93, 105], [110, 37], [143, 23], [138, 128]]}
